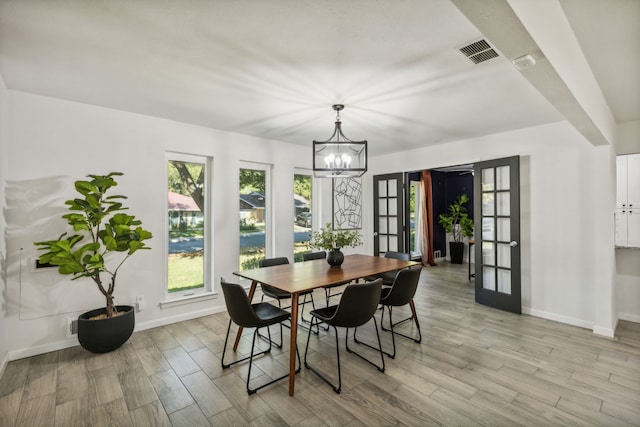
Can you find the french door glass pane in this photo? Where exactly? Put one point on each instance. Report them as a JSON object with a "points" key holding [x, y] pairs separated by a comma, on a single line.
{"points": [[393, 206], [382, 188], [393, 185], [489, 278], [382, 243], [488, 229], [504, 281], [393, 225], [504, 255], [504, 229], [488, 204], [503, 203], [393, 243], [487, 179], [502, 178], [488, 253], [383, 226], [382, 207]]}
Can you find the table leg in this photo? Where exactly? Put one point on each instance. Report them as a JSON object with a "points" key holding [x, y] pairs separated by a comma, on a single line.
{"points": [[413, 313], [294, 341], [252, 290]]}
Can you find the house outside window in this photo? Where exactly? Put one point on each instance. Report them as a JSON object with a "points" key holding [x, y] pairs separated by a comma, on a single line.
{"points": [[188, 260]]}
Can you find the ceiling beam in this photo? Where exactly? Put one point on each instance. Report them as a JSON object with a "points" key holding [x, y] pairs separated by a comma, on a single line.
{"points": [[559, 70]]}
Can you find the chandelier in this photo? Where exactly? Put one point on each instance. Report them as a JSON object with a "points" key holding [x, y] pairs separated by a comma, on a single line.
{"points": [[339, 157]]}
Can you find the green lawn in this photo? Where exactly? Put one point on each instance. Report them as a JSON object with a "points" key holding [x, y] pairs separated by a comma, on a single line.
{"points": [[185, 271]]}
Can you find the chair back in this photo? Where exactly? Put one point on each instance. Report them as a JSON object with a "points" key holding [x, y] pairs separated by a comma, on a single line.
{"points": [[404, 287], [238, 305], [358, 304], [403, 256], [270, 291], [268, 262], [314, 255]]}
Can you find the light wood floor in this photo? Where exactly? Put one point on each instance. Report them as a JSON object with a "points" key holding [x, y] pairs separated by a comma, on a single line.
{"points": [[475, 366]]}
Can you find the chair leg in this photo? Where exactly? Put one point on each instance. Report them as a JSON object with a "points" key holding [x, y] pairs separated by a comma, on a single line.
{"points": [[380, 367], [413, 317], [250, 390], [224, 350], [335, 388], [394, 333]]}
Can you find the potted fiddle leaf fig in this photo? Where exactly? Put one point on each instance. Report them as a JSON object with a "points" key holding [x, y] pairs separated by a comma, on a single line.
{"points": [[104, 238], [457, 223], [333, 240]]}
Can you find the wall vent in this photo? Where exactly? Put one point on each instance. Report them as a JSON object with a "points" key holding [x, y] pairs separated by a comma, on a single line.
{"points": [[72, 327], [479, 51]]}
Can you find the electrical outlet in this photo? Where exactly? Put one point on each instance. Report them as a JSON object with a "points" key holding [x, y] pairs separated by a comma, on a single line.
{"points": [[139, 302]]}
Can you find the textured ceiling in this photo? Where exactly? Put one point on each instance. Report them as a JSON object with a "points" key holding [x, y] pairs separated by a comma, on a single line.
{"points": [[273, 68]]}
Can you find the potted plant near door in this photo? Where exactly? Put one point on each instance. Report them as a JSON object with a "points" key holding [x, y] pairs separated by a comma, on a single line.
{"points": [[333, 240], [105, 238], [457, 222]]}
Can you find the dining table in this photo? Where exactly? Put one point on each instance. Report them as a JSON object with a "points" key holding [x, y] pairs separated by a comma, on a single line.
{"points": [[304, 276]]}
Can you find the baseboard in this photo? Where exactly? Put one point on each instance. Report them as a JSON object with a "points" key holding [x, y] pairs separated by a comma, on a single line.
{"points": [[140, 326], [41, 349], [3, 364], [558, 318], [629, 317], [605, 332], [150, 324]]}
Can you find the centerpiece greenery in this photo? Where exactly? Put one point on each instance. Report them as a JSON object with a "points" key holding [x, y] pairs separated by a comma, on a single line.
{"points": [[333, 240], [97, 217]]}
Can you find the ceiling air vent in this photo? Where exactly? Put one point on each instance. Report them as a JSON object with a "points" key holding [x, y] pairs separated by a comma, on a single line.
{"points": [[479, 51]]}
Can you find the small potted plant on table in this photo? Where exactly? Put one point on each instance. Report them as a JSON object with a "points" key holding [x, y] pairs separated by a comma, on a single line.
{"points": [[110, 232], [333, 240]]}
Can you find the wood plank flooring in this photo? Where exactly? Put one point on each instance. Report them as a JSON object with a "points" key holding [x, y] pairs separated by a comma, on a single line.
{"points": [[475, 366]]}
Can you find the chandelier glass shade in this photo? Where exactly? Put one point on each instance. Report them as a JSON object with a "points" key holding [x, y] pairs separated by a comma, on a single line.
{"points": [[339, 157]]}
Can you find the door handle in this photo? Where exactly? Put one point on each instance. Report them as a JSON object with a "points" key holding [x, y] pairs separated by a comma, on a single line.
{"points": [[513, 243], [375, 234]]}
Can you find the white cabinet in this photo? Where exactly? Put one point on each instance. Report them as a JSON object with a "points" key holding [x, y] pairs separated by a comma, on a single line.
{"points": [[628, 200]]}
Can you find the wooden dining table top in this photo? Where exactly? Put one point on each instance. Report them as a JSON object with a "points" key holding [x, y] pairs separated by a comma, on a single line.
{"points": [[303, 276]]}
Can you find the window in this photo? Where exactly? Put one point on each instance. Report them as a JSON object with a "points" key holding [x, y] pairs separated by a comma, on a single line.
{"points": [[302, 192], [254, 210], [188, 266]]}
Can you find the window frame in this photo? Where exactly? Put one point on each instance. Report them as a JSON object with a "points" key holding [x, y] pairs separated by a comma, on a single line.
{"points": [[207, 288], [314, 216], [269, 243]]}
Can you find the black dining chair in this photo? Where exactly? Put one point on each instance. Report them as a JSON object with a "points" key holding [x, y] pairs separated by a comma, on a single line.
{"points": [[247, 315], [357, 306], [279, 295], [389, 276], [400, 294], [327, 289]]}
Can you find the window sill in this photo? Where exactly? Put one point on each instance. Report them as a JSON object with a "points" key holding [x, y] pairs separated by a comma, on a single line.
{"points": [[205, 296]]}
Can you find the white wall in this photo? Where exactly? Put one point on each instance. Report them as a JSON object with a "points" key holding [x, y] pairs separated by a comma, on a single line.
{"points": [[54, 142], [628, 260], [558, 214], [4, 161]]}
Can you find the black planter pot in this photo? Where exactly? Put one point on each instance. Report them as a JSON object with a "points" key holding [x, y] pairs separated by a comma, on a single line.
{"points": [[456, 252], [335, 258], [105, 335]]}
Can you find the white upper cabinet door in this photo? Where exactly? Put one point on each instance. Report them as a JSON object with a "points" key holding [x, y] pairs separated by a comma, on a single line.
{"points": [[633, 181], [621, 182]]}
